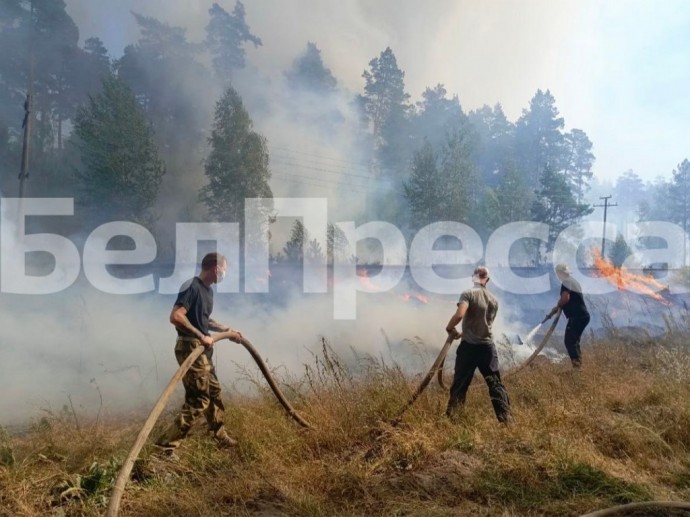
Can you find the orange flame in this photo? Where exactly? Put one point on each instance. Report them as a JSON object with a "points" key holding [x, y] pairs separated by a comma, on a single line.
{"points": [[363, 275], [421, 298], [624, 279], [407, 297]]}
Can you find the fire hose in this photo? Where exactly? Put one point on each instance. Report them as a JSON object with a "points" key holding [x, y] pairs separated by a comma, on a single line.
{"points": [[437, 367], [426, 380], [624, 509], [123, 476]]}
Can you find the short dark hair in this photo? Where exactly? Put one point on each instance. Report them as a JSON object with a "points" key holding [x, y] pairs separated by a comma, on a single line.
{"points": [[482, 272], [211, 260]]}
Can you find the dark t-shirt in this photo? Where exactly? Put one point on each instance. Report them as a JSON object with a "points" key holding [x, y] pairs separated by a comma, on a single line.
{"points": [[575, 308], [198, 300]]}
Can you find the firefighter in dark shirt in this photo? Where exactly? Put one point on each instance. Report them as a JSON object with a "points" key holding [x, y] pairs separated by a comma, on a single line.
{"points": [[191, 317], [573, 304]]}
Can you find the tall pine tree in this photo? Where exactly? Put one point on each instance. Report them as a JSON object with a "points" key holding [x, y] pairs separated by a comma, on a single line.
{"points": [[226, 36], [387, 105], [237, 166], [308, 73], [556, 205], [120, 170]]}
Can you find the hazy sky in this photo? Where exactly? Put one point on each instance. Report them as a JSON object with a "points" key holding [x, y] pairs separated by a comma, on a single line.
{"points": [[619, 70]]}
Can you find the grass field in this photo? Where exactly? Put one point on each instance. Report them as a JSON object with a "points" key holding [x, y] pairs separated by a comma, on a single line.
{"points": [[617, 431]]}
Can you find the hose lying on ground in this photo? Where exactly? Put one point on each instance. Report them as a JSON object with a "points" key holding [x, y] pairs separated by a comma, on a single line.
{"points": [[123, 476], [437, 367], [625, 508]]}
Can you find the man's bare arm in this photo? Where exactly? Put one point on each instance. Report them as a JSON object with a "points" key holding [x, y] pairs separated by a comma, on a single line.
{"points": [[455, 319], [178, 317], [218, 327]]}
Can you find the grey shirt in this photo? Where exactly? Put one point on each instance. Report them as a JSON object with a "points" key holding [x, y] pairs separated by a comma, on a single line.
{"points": [[482, 307]]}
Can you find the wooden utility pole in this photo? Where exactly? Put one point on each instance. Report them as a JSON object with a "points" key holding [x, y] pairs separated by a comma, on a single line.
{"points": [[24, 172], [606, 205], [28, 108]]}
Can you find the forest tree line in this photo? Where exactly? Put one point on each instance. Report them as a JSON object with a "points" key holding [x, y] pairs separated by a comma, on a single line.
{"points": [[136, 137]]}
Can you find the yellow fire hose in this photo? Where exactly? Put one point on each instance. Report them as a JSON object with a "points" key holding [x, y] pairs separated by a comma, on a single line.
{"points": [[125, 471], [437, 367]]}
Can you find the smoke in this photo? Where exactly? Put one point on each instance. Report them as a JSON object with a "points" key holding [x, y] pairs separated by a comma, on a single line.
{"points": [[87, 345]]}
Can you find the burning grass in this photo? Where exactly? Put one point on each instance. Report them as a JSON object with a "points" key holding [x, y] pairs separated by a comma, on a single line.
{"points": [[617, 431]]}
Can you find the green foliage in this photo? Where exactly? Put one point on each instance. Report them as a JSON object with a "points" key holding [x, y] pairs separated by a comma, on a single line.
{"points": [[632, 194], [166, 77], [314, 254], [580, 478], [495, 142], [120, 171], [237, 166], [578, 161], [386, 104], [443, 188], [619, 251], [226, 36], [437, 117], [294, 248], [336, 243], [94, 483], [424, 190], [556, 206], [513, 197], [539, 137], [40, 40], [6, 453], [309, 73], [678, 201], [459, 177]]}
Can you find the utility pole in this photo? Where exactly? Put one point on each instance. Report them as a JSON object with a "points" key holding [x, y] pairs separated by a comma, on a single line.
{"points": [[28, 108], [606, 205], [24, 172]]}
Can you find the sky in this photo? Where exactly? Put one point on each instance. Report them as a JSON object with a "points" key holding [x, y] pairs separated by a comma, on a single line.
{"points": [[617, 69]]}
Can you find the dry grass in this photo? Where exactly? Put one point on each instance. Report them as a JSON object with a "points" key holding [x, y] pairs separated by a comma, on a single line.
{"points": [[616, 432]]}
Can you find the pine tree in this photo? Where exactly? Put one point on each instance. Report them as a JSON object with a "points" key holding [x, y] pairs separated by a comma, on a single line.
{"points": [[539, 137], [556, 205], [679, 200], [120, 171], [513, 195], [294, 248], [386, 104], [336, 242], [619, 251], [578, 161], [461, 187], [226, 36], [438, 116], [494, 142], [424, 189], [237, 166], [308, 73]]}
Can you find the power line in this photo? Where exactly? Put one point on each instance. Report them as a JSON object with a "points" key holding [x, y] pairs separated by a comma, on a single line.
{"points": [[330, 183], [606, 205], [340, 172], [362, 165]]}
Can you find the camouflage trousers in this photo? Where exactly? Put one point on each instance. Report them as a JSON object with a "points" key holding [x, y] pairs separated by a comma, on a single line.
{"points": [[202, 396]]}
